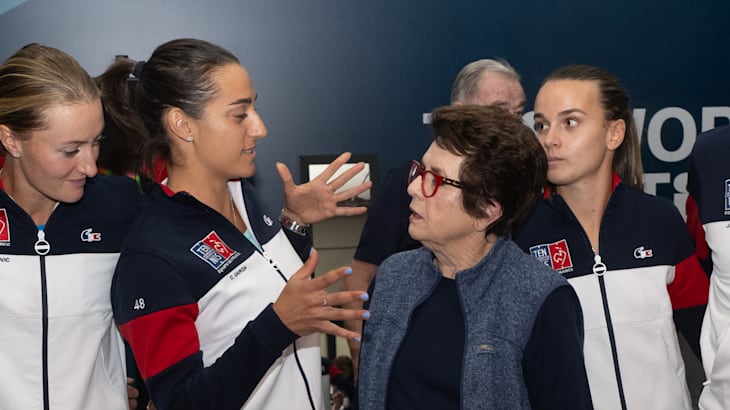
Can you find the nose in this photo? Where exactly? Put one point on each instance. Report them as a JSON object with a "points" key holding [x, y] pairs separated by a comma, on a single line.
{"points": [[549, 138], [414, 187], [87, 162], [258, 128]]}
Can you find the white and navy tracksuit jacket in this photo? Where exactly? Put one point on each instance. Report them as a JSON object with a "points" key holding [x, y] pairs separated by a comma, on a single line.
{"points": [[193, 297], [709, 187], [644, 268], [59, 347]]}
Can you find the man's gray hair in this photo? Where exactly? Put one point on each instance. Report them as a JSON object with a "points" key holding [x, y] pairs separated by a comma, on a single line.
{"points": [[466, 84]]}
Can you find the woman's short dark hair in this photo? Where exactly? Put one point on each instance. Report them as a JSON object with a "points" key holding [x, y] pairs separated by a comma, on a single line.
{"points": [[503, 161]]}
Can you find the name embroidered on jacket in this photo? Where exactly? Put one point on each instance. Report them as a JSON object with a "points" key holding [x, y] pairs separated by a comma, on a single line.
{"points": [[4, 228], [214, 251], [88, 236], [554, 255]]}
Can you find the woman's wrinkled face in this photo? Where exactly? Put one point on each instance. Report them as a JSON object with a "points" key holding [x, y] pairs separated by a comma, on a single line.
{"points": [[56, 161], [230, 127], [440, 220], [570, 124]]}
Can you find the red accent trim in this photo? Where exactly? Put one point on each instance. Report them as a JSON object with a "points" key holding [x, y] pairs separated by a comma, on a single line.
{"points": [[162, 338], [615, 180], [696, 230], [690, 286]]}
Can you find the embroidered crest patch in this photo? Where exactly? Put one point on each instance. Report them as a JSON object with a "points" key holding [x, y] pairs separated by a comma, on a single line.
{"points": [[214, 251], [554, 255]]}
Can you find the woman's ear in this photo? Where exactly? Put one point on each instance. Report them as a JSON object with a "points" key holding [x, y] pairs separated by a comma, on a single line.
{"points": [[10, 142], [492, 212], [179, 124], [615, 135]]}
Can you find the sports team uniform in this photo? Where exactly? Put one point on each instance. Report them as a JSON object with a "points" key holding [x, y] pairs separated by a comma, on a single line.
{"points": [[193, 297], [644, 268], [709, 187], [59, 346]]}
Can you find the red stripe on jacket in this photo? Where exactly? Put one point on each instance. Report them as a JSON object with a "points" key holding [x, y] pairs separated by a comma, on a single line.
{"points": [[156, 351]]}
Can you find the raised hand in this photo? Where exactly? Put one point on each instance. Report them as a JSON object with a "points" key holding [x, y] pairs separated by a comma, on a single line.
{"points": [[317, 200], [305, 307]]}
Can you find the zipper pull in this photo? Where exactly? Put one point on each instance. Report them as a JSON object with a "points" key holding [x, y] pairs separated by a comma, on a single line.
{"points": [[599, 268], [42, 247]]}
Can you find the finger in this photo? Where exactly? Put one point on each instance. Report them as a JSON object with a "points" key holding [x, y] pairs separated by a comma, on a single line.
{"points": [[350, 210], [284, 174], [132, 393], [354, 191], [305, 272], [326, 280], [334, 330], [347, 175], [334, 166], [344, 297]]}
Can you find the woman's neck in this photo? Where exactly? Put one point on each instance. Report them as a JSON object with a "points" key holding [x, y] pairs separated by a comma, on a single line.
{"points": [[211, 191], [588, 202], [34, 203], [468, 252]]}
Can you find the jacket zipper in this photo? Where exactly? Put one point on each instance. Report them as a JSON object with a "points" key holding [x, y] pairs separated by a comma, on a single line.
{"points": [[599, 269], [42, 248]]}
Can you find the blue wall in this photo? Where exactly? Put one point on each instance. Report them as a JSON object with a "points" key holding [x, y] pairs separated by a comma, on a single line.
{"points": [[337, 75]]}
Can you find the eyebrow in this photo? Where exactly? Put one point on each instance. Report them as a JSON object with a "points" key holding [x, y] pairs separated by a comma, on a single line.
{"points": [[562, 113], [244, 101]]}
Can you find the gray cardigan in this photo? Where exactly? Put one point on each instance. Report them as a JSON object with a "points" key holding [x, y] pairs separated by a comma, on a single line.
{"points": [[500, 298]]}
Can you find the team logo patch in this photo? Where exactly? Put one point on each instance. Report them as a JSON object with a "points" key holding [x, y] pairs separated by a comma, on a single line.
{"points": [[641, 253], [554, 255], [4, 228], [214, 251], [727, 197], [87, 235]]}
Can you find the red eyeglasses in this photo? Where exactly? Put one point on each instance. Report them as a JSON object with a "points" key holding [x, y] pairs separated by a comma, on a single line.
{"points": [[430, 181]]}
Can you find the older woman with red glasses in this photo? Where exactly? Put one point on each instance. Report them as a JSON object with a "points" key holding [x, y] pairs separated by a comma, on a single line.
{"points": [[469, 320]]}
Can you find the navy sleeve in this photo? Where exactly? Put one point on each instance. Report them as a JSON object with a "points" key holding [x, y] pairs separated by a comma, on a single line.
{"points": [[553, 364], [386, 228]]}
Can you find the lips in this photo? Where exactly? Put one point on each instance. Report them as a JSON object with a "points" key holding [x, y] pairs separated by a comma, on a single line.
{"points": [[250, 151]]}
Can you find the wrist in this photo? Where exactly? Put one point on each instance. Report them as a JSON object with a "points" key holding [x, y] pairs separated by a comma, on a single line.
{"points": [[289, 222]]}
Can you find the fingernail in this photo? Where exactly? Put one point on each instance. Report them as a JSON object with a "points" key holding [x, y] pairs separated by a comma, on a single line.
{"points": [[364, 297], [357, 339], [311, 251], [348, 271], [366, 315]]}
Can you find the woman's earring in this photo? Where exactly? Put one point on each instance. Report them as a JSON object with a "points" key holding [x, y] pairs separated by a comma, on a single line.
{"points": [[189, 139]]}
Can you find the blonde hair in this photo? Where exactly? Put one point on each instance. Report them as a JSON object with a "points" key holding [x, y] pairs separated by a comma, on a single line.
{"points": [[35, 79]]}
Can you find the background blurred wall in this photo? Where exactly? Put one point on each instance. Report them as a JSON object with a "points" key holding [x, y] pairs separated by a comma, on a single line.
{"points": [[336, 75]]}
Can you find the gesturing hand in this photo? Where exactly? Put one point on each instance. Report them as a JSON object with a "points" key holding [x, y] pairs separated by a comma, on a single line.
{"points": [[305, 307], [317, 200]]}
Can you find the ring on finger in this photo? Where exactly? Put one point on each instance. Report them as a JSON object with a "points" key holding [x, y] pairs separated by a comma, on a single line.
{"points": [[324, 299], [330, 187]]}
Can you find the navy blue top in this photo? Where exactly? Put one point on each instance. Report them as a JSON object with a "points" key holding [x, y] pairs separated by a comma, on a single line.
{"points": [[427, 369], [386, 229]]}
